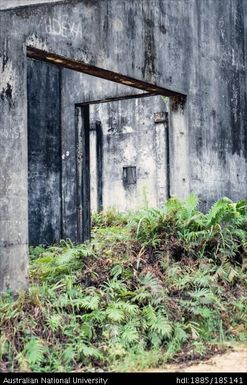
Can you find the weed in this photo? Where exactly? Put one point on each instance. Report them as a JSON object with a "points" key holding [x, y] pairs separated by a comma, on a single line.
{"points": [[150, 285]]}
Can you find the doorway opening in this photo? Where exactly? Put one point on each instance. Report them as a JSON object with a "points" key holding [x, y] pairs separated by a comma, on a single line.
{"points": [[119, 145], [129, 151]]}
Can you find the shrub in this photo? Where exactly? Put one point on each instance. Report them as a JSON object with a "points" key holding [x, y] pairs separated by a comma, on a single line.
{"points": [[150, 286]]}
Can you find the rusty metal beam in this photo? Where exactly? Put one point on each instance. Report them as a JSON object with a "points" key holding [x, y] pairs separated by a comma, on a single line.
{"points": [[79, 66], [117, 98]]}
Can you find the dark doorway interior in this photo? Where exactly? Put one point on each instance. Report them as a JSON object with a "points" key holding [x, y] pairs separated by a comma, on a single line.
{"points": [[44, 153], [48, 169], [45, 160]]}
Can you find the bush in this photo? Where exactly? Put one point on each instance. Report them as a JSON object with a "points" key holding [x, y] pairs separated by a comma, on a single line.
{"points": [[150, 286]]}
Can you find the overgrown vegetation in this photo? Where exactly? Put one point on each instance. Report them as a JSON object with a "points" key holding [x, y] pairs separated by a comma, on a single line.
{"points": [[150, 287]]}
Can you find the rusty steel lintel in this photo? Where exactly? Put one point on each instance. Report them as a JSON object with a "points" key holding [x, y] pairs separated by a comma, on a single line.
{"points": [[117, 98], [79, 66]]}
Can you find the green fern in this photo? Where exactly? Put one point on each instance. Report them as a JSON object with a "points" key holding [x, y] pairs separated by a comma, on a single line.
{"points": [[162, 326], [150, 282], [54, 322], [129, 333], [155, 284], [34, 351], [90, 351], [69, 354], [149, 314], [114, 313]]}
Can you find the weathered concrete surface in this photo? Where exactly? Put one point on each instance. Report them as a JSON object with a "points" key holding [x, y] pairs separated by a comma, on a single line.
{"points": [[13, 176], [192, 46], [44, 153], [6, 4], [131, 138], [78, 88]]}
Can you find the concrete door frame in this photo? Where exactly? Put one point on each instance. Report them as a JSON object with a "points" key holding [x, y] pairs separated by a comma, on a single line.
{"points": [[176, 102]]}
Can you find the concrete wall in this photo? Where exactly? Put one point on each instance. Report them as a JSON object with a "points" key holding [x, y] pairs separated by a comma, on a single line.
{"points": [[195, 47], [131, 138], [79, 88], [44, 153], [7, 4]]}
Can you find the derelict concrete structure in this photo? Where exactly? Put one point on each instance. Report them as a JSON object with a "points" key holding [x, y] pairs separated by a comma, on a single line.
{"points": [[192, 51]]}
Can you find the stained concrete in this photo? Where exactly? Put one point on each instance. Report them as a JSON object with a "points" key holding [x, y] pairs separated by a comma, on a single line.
{"points": [[131, 138], [6, 4], [79, 88], [197, 48], [44, 153]]}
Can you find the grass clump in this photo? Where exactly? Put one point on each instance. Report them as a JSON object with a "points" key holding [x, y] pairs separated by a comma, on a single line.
{"points": [[150, 287]]}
